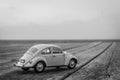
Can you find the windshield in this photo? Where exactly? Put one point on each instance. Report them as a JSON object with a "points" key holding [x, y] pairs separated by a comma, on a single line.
{"points": [[32, 50]]}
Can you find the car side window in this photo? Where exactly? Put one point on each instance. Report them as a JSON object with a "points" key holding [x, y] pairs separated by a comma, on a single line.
{"points": [[56, 50], [46, 51]]}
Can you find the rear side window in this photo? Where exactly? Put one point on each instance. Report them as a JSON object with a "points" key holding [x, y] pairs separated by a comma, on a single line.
{"points": [[46, 51], [56, 50]]}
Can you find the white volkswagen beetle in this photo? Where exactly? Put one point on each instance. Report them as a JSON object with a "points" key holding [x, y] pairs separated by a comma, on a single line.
{"points": [[46, 55]]}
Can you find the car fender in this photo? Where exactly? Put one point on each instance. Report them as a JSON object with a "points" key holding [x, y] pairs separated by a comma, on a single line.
{"points": [[37, 59], [68, 58]]}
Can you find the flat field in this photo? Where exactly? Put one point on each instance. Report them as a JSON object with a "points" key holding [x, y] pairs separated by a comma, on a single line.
{"points": [[11, 51]]}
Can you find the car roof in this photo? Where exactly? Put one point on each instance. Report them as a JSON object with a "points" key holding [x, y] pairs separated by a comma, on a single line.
{"points": [[42, 46]]}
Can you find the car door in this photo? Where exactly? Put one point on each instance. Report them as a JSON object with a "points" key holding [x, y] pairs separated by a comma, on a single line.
{"points": [[57, 56], [46, 53]]}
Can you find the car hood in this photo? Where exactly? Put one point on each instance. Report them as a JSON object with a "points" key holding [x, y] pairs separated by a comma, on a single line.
{"points": [[67, 53], [71, 55]]}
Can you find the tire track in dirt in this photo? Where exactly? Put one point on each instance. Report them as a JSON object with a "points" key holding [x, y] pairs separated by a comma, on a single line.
{"points": [[86, 49]]}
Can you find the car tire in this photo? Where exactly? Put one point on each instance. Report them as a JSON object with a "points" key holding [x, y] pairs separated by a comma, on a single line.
{"points": [[39, 67], [25, 69], [72, 64]]}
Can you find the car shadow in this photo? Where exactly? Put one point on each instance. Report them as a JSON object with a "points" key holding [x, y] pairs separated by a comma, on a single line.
{"points": [[47, 71], [18, 74]]}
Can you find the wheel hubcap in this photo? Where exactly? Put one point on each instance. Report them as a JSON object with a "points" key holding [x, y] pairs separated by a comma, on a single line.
{"points": [[39, 66], [72, 64]]}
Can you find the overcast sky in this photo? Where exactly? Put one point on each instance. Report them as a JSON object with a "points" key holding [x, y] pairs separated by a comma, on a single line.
{"points": [[59, 19]]}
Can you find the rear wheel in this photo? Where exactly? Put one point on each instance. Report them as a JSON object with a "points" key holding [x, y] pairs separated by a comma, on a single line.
{"points": [[39, 67], [25, 69], [72, 64]]}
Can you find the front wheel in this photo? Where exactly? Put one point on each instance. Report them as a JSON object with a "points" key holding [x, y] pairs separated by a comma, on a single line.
{"points": [[72, 64], [39, 67]]}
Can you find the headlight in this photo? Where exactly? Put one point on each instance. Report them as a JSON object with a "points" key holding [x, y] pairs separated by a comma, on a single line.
{"points": [[22, 61]]}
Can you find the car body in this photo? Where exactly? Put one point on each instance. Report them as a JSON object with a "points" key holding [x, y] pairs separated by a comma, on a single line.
{"points": [[46, 55]]}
